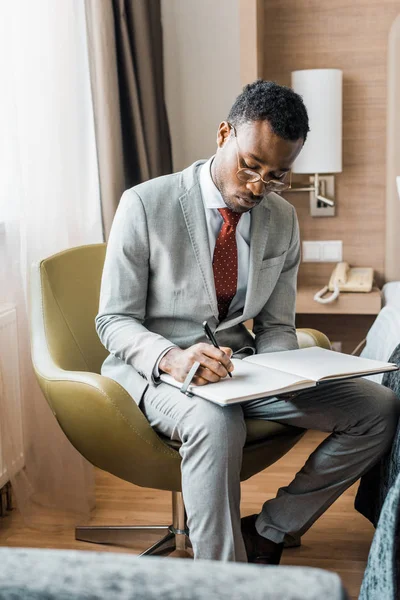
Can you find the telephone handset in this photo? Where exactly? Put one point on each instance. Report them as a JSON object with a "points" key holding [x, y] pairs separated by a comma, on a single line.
{"points": [[345, 279]]}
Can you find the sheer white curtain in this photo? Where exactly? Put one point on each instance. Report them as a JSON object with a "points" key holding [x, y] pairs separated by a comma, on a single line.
{"points": [[49, 201]]}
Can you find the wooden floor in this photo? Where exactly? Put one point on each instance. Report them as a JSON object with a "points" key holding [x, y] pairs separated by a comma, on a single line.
{"points": [[339, 541]]}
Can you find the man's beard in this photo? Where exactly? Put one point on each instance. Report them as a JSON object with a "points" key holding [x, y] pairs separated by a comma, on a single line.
{"points": [[228, 199], [231, 200]]}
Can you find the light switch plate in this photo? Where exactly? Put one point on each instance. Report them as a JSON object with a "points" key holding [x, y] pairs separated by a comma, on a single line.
{"points": [[322, 251]]}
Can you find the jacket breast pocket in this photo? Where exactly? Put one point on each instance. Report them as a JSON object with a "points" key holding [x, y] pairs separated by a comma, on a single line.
{"points": [[275, 261]]}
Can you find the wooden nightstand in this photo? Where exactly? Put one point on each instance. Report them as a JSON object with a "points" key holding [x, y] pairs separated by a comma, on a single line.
{"points": [[347, 304], [346, 320]]}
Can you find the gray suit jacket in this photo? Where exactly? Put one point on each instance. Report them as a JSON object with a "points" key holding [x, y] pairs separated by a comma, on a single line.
{"points": [[158, 285]]}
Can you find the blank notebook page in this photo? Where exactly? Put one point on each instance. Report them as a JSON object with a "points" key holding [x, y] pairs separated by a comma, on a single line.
{"points": [[317, 363], [247, 380]]}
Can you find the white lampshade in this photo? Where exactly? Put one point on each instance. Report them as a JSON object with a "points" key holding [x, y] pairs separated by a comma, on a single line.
{"points": [[398, 185], [321, 90]]}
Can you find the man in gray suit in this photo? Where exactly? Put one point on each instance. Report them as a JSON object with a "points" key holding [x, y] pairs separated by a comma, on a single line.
{"points": [[216, 243]]}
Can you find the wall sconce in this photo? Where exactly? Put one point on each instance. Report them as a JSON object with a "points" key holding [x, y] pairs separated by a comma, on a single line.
{"points": [[321, 90]]}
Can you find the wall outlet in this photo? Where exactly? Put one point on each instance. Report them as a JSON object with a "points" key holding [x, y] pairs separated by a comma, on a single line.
{"points": [[322, 251]]}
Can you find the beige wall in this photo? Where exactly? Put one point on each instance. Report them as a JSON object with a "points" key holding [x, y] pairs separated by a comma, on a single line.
{"points": [[202, 72], [204, 48], [351, 36], [392, 270]]}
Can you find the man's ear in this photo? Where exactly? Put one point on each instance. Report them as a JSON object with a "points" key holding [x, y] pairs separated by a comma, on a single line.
{"points": [[223, 133]]}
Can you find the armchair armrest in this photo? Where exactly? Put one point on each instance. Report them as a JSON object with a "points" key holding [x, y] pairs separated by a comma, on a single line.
{"points": [[312, 337]]}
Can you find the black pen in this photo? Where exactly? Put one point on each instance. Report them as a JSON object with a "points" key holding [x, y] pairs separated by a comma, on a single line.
{"points": [[212, 339]]}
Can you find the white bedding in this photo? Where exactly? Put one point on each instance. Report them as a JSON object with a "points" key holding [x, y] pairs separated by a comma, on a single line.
{"points": [[384, 335], [391, 294]]}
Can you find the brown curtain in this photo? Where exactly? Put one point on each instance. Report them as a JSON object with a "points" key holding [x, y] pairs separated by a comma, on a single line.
{"points": [[126, 65]]}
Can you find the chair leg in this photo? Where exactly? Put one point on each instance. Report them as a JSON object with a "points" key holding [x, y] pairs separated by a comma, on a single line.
{"points": [[164, 546], [179, 524], [164, 539]]}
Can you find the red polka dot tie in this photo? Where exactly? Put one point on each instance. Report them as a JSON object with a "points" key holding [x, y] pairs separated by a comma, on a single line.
{"points": [[225, 261]]}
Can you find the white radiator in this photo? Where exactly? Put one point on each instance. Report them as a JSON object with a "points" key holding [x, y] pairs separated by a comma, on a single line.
{"points": [[10, 402]]}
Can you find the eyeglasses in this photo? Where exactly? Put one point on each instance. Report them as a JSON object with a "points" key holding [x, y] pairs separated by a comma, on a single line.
{"points": [[249, 176]]}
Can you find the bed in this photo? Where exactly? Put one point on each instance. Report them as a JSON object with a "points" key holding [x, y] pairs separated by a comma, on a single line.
{"points": [[378, 497]]}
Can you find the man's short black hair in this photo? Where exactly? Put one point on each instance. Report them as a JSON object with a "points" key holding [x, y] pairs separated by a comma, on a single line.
{"points": [[278, 104]]}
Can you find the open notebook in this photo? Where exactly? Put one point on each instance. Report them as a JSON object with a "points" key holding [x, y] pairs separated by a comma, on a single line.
{"points": [[274, 373]]}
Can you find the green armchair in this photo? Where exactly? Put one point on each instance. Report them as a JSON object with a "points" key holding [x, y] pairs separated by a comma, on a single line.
{"points": [[98, 416]]}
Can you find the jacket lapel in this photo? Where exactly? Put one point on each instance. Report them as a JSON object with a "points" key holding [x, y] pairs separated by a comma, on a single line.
{"points": [[195, 219], [258, 241]]}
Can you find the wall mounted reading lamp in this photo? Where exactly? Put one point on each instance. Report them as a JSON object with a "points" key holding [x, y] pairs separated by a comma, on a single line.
{"points": [[321, 90]]}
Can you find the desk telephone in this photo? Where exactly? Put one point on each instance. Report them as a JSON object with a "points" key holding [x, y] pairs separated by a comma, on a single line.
{"points": [[345, 279]]}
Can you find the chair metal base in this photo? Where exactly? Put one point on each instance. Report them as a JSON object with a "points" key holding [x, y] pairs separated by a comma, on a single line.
{"points": [[164, 539]]}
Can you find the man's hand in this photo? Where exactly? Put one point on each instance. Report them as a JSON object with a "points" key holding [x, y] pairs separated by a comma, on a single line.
{"points": [[214, 363]]}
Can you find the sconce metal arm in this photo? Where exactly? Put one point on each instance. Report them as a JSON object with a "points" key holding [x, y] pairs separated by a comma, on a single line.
{"points": [[325, 200], [315, 188]]}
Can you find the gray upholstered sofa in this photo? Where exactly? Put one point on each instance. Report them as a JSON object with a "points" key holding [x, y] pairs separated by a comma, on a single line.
{"points": [[30, 574]]}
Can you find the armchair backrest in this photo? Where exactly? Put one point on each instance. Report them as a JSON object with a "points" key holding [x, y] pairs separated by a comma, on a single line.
{"points": [[65, 291]]}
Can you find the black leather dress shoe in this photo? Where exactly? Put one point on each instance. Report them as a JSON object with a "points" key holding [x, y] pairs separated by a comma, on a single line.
{"points": [[259, 550]]}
